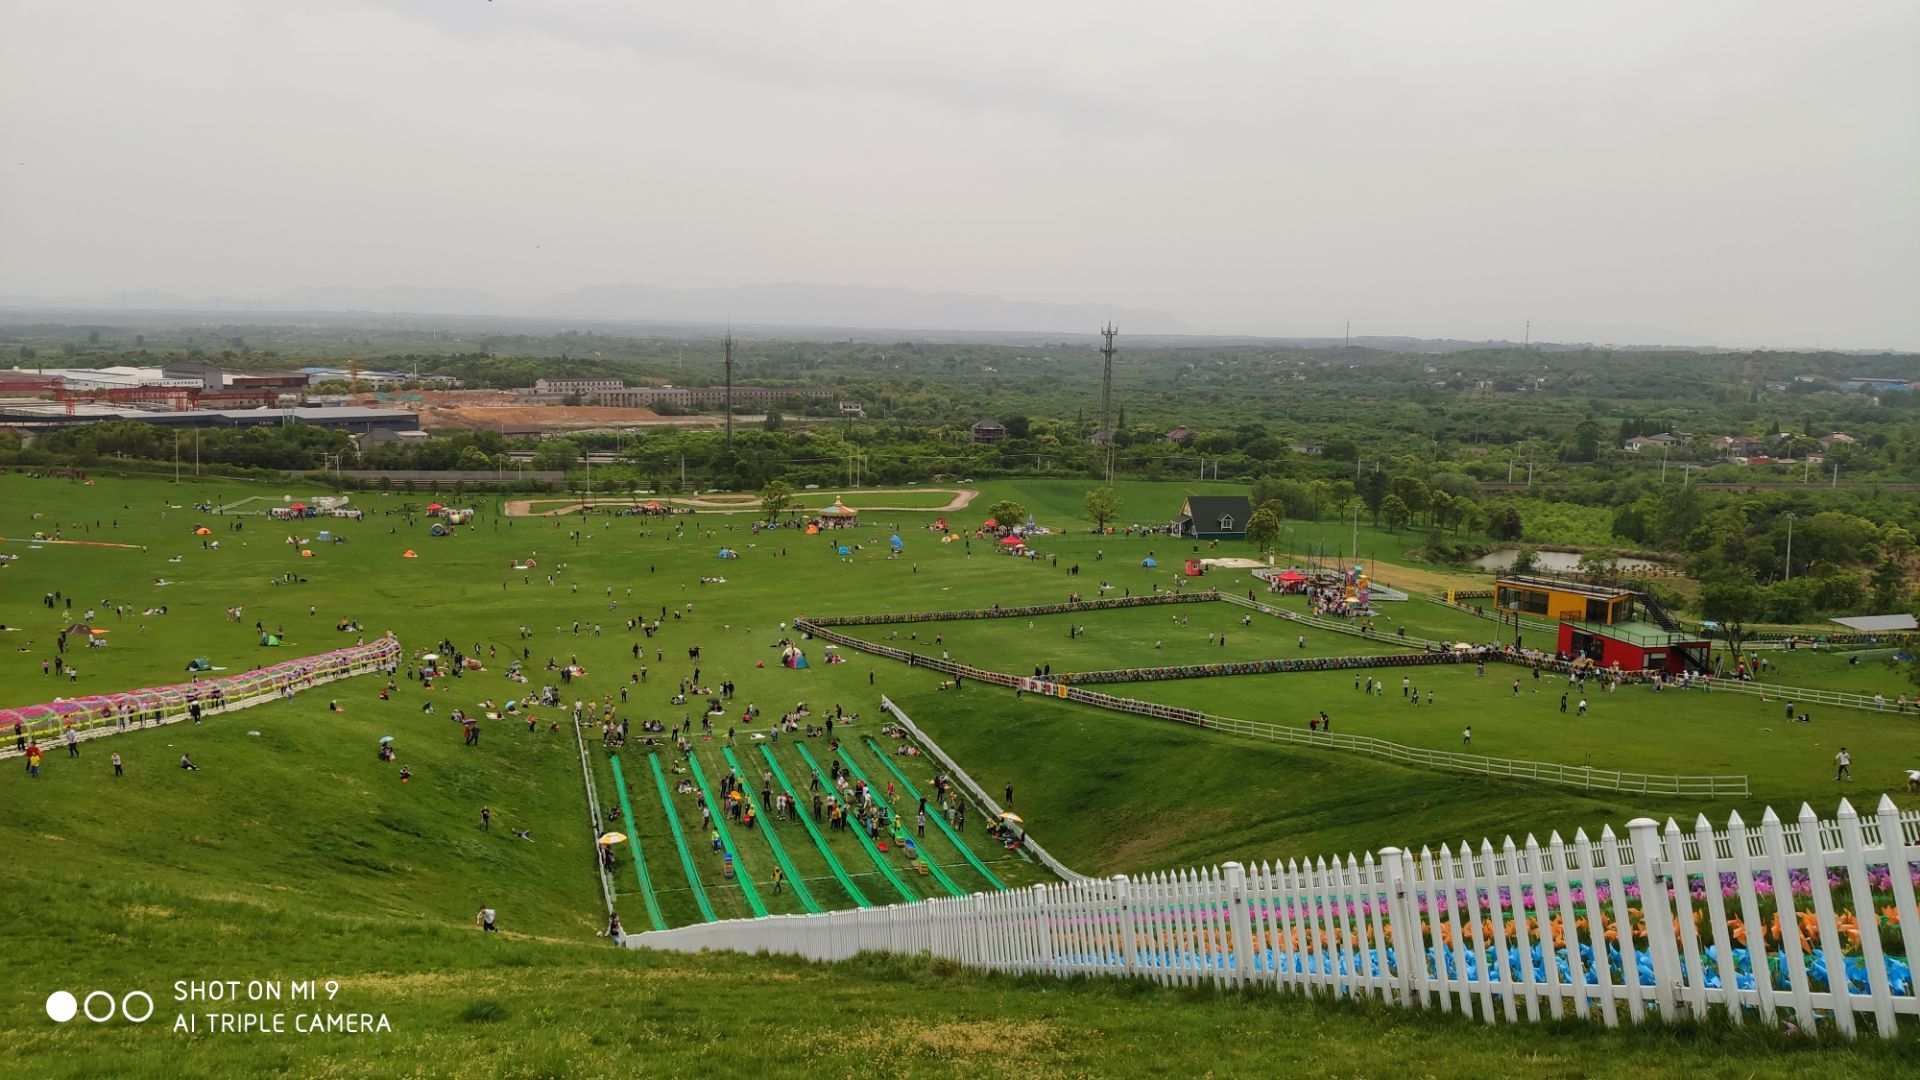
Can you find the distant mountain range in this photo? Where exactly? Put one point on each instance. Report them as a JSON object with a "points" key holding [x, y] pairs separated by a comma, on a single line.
{"points": [[804, 312], [784, 305]]}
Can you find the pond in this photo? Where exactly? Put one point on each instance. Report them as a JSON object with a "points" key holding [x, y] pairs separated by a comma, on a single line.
{"points": [[1555, 562]]}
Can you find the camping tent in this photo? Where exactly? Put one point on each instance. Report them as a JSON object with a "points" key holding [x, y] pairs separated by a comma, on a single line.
{"points": [[1195, 568], [845, 550], [1291, 577], [728, 553], [441, 530], [306, 553], [199, 663], [896, 542], [203, 531], [409, 554], [1012, 541], [1149, 562]]}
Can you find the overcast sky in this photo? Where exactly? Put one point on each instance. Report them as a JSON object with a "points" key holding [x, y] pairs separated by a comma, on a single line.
{"points": [[1738, 173]]}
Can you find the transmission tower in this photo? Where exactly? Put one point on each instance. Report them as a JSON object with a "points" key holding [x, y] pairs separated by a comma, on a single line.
{"points": [[729, 391], [1106, 396]]}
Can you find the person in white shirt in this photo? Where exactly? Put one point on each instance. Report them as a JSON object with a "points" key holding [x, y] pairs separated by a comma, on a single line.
{"points": [[1843, 765]]}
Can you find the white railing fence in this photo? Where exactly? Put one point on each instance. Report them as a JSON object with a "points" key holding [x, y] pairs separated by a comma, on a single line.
{"points": [[973, 789], [1809, 920]]}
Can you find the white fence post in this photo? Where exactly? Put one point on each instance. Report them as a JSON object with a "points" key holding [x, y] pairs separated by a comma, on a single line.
{"points": [[1123, 895], [1239, 924], [1651, 875], [1043, 922], [1402, 929]]}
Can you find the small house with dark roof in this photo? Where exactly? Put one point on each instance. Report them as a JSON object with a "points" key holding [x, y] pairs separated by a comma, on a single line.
{"points": [[989, 431], [1214, 517]]}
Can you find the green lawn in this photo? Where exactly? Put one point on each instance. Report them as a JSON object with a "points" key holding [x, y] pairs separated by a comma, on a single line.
{"points": [[295, 853]]}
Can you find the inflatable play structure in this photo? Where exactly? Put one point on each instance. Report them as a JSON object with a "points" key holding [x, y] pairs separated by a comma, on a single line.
{"points": [[164, 704], [459, 517], [1194, 568]]}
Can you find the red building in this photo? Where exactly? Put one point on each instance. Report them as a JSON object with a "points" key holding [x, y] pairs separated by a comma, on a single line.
{"points": [[1635, 646]]}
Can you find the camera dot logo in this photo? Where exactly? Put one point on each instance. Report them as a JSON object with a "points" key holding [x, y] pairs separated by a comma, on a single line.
{"points": [[99, 1006]]}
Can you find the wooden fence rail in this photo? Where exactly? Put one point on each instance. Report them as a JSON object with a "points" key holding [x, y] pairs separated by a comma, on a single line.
{"points": [[1576, 776]]}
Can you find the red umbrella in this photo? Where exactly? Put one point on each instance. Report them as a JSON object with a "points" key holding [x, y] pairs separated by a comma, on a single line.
{"points": [[990, 523], [1012, 541]]}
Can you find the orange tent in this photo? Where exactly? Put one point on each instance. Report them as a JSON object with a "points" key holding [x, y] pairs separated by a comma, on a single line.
{"points": [[203, 531], [409, 554], [306, 553]]}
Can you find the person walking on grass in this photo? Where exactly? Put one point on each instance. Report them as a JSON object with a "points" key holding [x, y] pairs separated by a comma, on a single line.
{"points": [[117, 770], [1009, 793], [486, 819], [1466, 735], [1583, 707], [1842, 766], [485, 917]]}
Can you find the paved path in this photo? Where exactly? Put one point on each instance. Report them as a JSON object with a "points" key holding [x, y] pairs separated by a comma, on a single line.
{"points": [[743, 505]]}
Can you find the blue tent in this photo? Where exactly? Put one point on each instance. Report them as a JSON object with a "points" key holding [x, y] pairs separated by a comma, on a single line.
{"points": [[1148, 563], [729, 553], [799, 661], [896, 541], [844, 550]]}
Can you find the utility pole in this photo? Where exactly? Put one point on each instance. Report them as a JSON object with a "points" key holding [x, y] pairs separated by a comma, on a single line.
{"points": [[1836, 474], [1106, 395], [1527, 342], [176, 457], [1663, 463], [729, 390], [1349, 333]]}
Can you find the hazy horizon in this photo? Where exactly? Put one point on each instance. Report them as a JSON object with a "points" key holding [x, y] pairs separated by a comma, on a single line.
{"points": [[1633, 173]]}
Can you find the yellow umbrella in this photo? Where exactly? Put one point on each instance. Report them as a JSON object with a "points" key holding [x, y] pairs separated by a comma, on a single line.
{"points": [[613, 838], [1013, 817]]}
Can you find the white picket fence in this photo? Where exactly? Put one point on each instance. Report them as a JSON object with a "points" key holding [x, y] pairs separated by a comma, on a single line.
{"points": [[1504, 933]]}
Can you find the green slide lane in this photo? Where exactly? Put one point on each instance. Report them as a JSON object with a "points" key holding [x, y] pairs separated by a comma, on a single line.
{"points": [[773, 841], [873, 853], [680, 840], [633, 842], [833, 861], [740, 872], [899, 827], [939, 819]]}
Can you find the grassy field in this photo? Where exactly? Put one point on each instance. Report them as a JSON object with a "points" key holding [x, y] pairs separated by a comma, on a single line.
{"points": [[295, 853]]}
